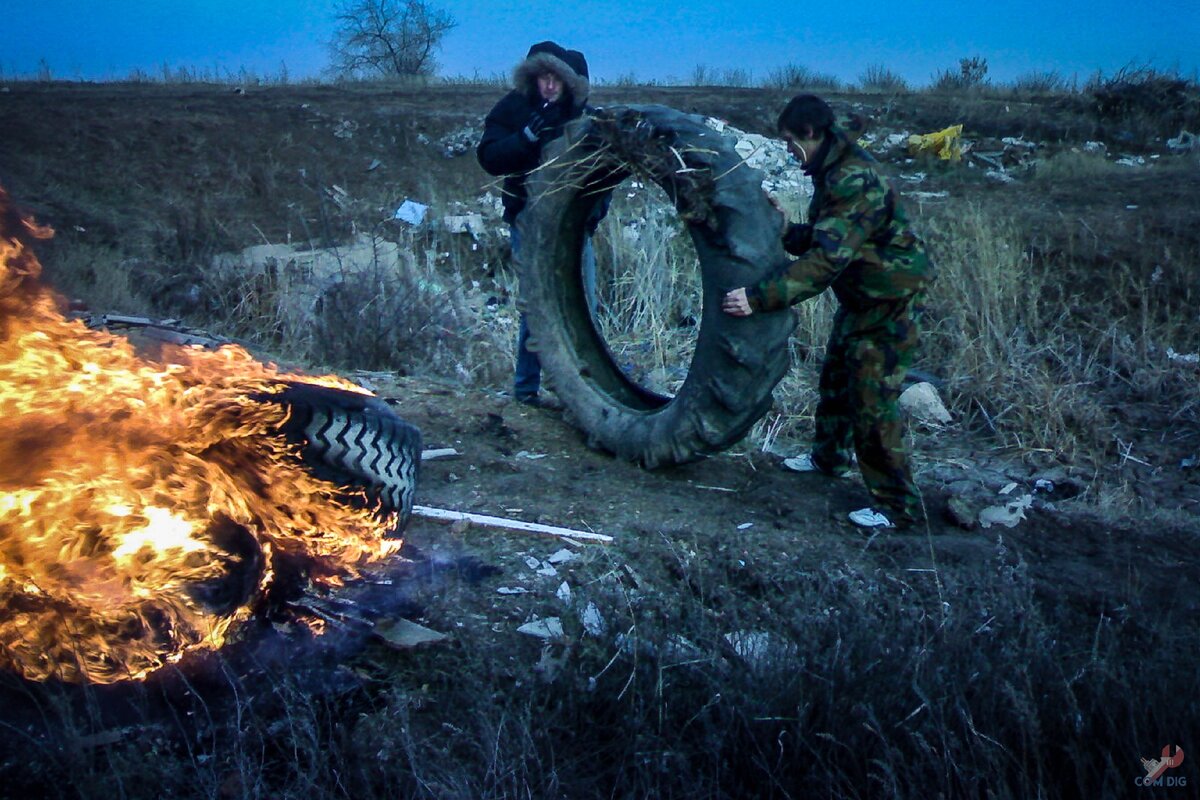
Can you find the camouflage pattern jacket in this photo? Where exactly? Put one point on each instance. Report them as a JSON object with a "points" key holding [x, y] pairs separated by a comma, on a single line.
{"points": [[862, 246]]}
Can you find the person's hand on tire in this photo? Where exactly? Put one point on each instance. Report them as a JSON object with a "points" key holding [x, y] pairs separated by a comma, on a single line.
{"points": [[543, 124], [735, 303]]}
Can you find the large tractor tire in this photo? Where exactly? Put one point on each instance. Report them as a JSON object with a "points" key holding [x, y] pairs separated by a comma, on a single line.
{"points": [[736, 362], [355, 440]]}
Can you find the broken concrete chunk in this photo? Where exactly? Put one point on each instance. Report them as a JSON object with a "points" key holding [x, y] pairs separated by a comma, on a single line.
{"points": [[562, 556], [403, 634], [593, 623], [922, 402], [548, 628]]}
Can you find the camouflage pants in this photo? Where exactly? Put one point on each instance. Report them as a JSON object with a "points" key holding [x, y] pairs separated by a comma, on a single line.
{"points": [[869, 352]]}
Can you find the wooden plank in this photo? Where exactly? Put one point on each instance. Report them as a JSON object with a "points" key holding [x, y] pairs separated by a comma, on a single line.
{"points": [[506, 524]]}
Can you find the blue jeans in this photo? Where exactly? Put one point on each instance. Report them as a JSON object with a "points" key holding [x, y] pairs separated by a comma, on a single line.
{"points": [[528, 378]]}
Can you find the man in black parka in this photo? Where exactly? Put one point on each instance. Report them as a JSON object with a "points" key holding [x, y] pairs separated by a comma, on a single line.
{"points": [[550, 88]]}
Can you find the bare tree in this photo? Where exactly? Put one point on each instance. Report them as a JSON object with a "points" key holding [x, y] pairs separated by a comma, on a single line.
{"points": [[387, 37]]}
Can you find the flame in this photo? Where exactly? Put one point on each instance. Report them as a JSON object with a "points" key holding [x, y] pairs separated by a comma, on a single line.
{"points": [[143, 503]]}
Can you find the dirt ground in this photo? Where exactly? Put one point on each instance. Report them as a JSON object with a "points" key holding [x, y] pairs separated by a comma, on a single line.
{"points": [[744, 507]]}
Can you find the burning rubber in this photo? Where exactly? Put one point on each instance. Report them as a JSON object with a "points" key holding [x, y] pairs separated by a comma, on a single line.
{"points": [[355, 440], [148, 507], [736, 362]]}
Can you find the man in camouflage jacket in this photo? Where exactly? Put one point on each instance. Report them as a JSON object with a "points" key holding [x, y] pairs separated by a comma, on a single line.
{"points": [[859, 243]]}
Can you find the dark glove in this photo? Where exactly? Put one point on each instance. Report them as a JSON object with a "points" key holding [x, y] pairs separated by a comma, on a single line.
{"points": [[543, 124], [797, 239]]}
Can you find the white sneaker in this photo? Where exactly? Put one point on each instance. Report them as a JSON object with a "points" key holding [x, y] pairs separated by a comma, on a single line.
{"points": [[870, 518], [804, 463]]}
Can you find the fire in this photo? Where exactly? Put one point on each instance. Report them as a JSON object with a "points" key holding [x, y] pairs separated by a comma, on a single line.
{"points": [[143, 504]]}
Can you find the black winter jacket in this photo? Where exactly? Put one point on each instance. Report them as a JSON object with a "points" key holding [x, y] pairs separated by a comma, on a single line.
{"points": [[504, 149]]}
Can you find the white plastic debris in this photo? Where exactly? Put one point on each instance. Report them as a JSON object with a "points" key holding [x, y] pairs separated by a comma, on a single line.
{"points": [[512, 590], [563, 556], [1008, 514], [564, 592], [1188, 358], [745, 526], [411, 212], [1185, 142], [593, 623], [548, 628], [533, 563], [922, 402], [465, 223], [547, 571]]}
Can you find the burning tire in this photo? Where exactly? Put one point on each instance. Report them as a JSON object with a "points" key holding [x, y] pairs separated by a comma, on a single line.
{"points": [[736, 362], [357, 441]]}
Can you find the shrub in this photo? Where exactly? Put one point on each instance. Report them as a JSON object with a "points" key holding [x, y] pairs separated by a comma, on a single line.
{"points": [[1040, 83], [878, 78], [971, 74], [796, 76]]}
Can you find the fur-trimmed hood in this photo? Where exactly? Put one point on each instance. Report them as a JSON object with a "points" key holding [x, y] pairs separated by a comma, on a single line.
{"points": [[570, 65]]}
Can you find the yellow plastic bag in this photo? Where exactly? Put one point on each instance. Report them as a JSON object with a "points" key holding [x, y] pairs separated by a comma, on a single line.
{"points": [[945, 144]]}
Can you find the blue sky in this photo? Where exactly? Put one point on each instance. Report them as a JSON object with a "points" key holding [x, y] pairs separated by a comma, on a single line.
{"points": [[103, 39]]}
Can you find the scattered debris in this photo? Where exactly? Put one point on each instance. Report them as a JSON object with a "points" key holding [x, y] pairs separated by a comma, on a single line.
{"points": [[1008, 514], [168, 330], [564, 592], [548, 628], [745, 526], [1189, 358], [1185, 142], [922, 402], [920, 196], [1191, 462], [512, 590], [404, 634], [459, 142], [374, 165], [562, 557], [593, 623], [411, 212], [439, 453], [946, 144], [345, 129], [465, 223]]}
